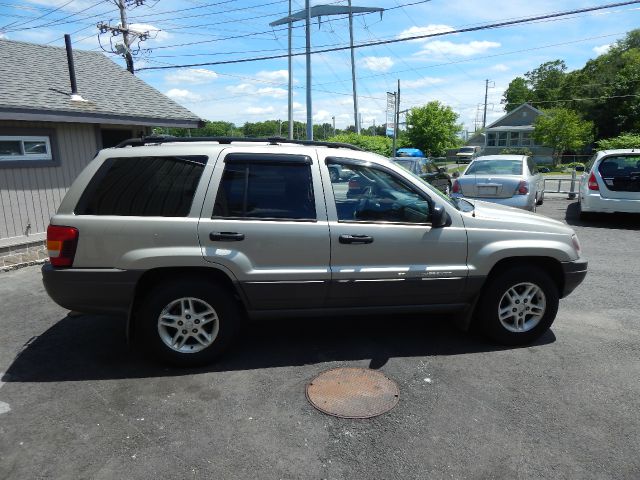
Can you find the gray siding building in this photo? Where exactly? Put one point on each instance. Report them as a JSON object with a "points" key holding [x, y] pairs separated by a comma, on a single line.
{"points": [[48, 135], [515, 130]]}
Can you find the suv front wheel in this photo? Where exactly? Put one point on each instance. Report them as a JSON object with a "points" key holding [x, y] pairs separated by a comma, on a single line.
{"points": [[188, 323], [518, 305]]}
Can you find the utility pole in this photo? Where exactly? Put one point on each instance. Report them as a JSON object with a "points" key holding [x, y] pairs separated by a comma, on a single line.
{"points": [[486, 96], [125, 35], [397, 120], [129, 36], [290, 106], [319, 11], [333, 119]]}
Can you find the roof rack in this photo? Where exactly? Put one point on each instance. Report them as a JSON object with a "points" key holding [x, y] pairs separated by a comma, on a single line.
{"points": [[159, 139]]}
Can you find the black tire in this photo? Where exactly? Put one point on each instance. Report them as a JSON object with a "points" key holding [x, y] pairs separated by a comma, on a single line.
{"points": [[334, 175], [541, 199], [219, 298], [492, 295]]}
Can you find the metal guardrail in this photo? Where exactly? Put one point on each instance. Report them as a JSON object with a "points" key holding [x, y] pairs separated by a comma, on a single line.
{"points": [[549, 182]]}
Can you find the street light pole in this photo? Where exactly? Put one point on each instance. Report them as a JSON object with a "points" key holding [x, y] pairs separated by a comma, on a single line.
{"points": [[353, 72], [308, 55], [290, 107]]}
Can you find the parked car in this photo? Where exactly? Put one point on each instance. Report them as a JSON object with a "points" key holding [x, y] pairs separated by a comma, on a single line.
{"points": [[511, 180], [190, 237], [467, 154], [428, 171], [611, 183]]}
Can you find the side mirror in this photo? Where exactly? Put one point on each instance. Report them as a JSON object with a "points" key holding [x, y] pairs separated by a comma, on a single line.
{"points": [[442, 170], [455, 174], [439, 217]]}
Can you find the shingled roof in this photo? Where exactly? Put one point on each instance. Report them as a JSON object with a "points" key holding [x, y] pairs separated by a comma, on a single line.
{"points": [[34, 85]]}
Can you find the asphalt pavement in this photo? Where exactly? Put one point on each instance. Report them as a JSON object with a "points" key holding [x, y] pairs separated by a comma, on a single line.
{"points": [[75, 402]]}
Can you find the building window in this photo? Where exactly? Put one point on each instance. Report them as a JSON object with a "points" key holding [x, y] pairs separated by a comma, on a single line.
{"points": [[491, 139], [502, 139], [527, 141], [514, 139], [24, 147]]}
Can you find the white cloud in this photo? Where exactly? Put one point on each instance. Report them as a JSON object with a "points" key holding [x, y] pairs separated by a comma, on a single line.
{"points": [[427, 30], [183, 95], [602, 49], [273, 75], [500, 67], [2, 35], [273, 92], [322, 116], [259, 110], [193, 76], [377, 64], [241, 88], [439, 48], [421, 82]]}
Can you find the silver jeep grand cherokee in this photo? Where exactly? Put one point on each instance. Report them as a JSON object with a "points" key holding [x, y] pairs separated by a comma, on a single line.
{"points": [[189, 237]]}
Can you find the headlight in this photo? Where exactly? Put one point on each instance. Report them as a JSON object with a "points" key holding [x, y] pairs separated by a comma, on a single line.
{"points": [[576, 243]]}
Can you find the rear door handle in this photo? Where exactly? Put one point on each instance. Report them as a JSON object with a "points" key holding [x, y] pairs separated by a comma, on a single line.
{"points": [[226, 236], [355, 239]]}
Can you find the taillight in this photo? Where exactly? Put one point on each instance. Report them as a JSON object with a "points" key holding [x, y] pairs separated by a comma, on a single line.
{"points": [[61, 244], [593, 184], [455, 188], [523, 188]]}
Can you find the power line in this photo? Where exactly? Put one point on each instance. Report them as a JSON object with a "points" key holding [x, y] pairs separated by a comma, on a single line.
{"points": [[413, 37], [60, 21], [38, 18]]}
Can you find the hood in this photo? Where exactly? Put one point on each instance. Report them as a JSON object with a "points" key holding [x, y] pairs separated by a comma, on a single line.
{"points": [[491, 215]]}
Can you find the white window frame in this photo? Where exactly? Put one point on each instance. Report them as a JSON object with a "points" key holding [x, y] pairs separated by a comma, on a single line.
{"points": [[27, 156]]}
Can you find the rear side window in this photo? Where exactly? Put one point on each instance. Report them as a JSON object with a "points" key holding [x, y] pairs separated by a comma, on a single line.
{"points": [[143, 186], [266, 191]]}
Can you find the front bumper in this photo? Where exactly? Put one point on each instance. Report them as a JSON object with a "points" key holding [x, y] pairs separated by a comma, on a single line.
{"points": [[574, 274], [91, 290]]}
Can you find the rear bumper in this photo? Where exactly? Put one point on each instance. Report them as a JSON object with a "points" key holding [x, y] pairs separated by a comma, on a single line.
{"points": [[574, 274], [87, 290], [596, 203], [524, 202]]}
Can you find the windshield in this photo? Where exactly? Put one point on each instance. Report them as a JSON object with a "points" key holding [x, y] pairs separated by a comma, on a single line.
{"points": [[466, 150], [495, 167]]}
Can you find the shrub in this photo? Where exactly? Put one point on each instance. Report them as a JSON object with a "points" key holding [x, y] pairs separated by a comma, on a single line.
{"points": [[626, 140], [516, 151], [378, 144]]}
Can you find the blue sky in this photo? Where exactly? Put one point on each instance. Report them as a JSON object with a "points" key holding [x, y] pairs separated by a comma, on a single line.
{"points": [[451, 68]]}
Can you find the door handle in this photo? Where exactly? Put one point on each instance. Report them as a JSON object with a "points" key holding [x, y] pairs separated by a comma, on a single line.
{"points": [[355, 239], [226, 236]]}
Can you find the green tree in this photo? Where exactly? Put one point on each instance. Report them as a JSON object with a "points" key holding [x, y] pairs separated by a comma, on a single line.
{"points": [[433, 128], [376, 144], [562, 129], [517, 93]]}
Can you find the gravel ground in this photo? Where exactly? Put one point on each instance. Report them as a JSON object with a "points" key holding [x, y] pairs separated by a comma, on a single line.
{"points": [[76, 403]]}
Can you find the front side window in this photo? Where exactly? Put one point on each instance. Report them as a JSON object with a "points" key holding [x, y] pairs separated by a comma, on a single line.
{"points": [[375, 195], [143, 186], [25, 147], [266, 191]]}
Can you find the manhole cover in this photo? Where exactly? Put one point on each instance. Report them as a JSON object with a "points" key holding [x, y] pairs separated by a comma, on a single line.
{"points": [[353, 393]]}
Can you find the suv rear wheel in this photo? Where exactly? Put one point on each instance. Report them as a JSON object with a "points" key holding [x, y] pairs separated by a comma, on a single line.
{"points": [[188, 323], [518, 305]]}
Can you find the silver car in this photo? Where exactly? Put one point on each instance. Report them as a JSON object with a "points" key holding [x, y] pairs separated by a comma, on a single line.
{"points": [[511, 180]]}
